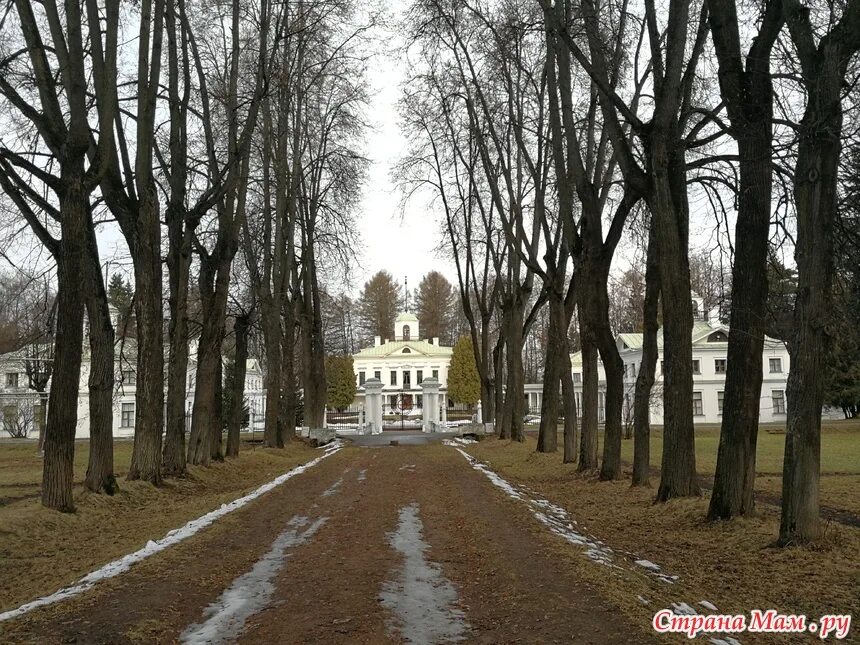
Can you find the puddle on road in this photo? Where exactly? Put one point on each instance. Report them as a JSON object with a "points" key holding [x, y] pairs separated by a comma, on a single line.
{"points": [[421, 598], [251, 592]]}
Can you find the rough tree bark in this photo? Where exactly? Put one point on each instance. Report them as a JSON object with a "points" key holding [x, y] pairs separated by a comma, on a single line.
{"points": [[313, 349], [647, 368], [748, 94], [241, 327], [58, 466], [667, 200], [815, 193], [569, 407], [100, 476], [556, 350], [588, 433], [180, 230]]}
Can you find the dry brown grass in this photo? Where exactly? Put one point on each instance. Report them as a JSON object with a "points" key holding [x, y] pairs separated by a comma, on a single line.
{"points": [[42, 550], [731, 564]]}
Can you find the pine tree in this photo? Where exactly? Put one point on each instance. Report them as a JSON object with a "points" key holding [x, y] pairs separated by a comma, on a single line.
{"points": [[464, 384], [378, 304], [435, 306], [120, 295]]}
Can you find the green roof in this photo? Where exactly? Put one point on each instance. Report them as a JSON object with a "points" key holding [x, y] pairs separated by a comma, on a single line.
{"points": [[397, 346]]}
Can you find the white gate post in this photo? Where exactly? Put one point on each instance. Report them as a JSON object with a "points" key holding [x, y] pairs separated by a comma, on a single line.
{"points": [[479, 413], [430, 402], [373, 404]]}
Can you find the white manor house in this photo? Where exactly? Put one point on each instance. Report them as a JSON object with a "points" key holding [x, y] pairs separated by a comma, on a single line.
{"points": [[402, 364]]}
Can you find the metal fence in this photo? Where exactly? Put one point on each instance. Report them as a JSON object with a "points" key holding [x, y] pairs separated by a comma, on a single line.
{"points": [[345, 419]]}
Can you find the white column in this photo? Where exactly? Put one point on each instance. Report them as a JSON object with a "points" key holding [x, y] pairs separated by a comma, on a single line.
{"points": [[430, 394], [479, 413], [373, 404], [444, 402]]}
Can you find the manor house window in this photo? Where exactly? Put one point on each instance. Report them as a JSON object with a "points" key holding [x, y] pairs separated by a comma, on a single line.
{"points": [[698, 409], [127, 419], [778, 397]]}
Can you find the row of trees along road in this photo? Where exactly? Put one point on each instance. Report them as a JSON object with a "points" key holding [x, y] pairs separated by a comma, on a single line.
{"points": [[220, 127], [545, 130]]}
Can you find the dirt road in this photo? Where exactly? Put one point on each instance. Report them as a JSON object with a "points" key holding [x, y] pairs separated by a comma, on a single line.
{"points": [[372, 545]]}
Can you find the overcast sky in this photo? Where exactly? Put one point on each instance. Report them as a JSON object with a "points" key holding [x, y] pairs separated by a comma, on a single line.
{"points": [[401, 241]]}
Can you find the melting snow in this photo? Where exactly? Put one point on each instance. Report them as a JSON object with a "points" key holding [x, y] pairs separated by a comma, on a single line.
{"points": [[421, 598], [362, 475], [250, 592], [648, 565], [560, 523], [331, 490], [708, 605], [112, 569]]}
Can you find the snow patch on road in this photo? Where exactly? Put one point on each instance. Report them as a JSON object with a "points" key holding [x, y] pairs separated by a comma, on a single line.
{"points": [[552, 516], [560, 523], [251, 592], [113, 569], [335, 487], [459, 441], [422, 599], [362, 475]]}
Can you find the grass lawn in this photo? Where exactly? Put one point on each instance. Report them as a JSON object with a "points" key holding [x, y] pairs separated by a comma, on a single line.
{"points": [[840, 459], [731, 564], [42, 550]]}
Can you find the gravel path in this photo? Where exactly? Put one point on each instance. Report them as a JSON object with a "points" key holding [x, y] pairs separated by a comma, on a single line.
{"points": [[404, 544]]}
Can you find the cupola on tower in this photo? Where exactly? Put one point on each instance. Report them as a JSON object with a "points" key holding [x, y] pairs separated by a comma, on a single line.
{"points": [[406, 327]]}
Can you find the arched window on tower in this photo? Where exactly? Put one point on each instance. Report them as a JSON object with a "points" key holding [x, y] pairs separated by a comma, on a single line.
{"points": [[405, 332]]}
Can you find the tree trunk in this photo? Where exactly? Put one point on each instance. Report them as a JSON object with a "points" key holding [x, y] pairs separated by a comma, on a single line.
{"points": [[287, 404], [748, 95], [569, 403], [179, 265], [180, 231], [100, 476], [734, 479], [206, 420], [488, 380], [149, 399], [554, 362], [588, 435], [313, 349], [514, 396], [815, 194], [597, 311], [503, 421], [237, 396], [216, 452], [272, 437], [667, 200], [58, 464], [647, 369]]}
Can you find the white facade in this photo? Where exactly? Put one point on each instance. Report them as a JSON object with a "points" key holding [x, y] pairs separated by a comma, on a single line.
{"points": [[402, 364], [15, 392], [709, 357]]}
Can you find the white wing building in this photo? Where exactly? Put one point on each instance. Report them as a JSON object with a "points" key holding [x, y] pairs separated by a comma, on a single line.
{"points": [[709, 357]]}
